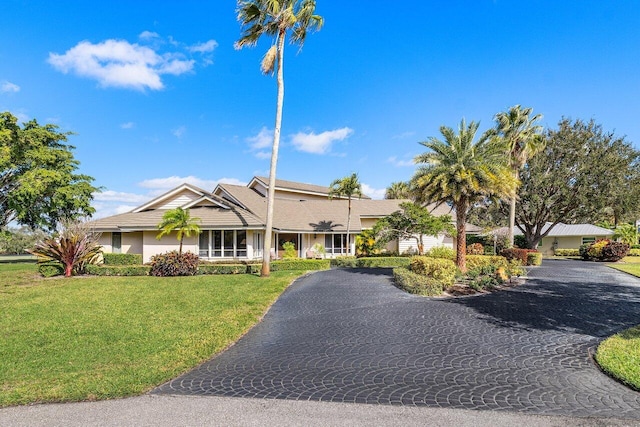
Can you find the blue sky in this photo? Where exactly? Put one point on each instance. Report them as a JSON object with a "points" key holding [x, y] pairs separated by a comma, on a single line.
{"points": [[157, 95]]}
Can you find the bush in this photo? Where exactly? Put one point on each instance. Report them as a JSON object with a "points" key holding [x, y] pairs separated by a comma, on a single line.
{"points": [[441, 252], [416, 283], [634, 252], [50, 269], [567, 252], [475, 261], [486, 277], [173, 264], [443, 270], [615, 251], [300, 264], [594, 251], [534, 258], [118, 270], [289, 250], [344, 261], [519, 241], [475, 249], [383, 262], [122, 259], [515, 253]]}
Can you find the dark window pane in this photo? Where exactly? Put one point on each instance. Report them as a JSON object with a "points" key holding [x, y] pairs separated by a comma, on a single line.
{"points": [[203, 243], [228, 243], [116, 242], [217, 243]]}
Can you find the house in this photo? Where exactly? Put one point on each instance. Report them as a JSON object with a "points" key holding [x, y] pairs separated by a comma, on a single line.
{"points": [[568, 236], [233, 217]]}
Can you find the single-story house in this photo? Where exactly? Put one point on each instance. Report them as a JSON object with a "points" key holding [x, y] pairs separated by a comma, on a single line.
{"points": [[233, 217], [567, 236]]}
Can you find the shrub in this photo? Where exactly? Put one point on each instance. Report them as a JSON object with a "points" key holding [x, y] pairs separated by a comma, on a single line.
{"points": [[416, 283], [567, 252], [118, 270], [475, 249], [534, 258], [475, 261], [224, 269], [519, 241], [634, 252], [594, 251], [122, 259], [383, 262], [485, 277], [344, 261], [289, 250], [300, 264], [441, 252], [174, 264], [515, 253], [615, 251], [50, 269], [583, 251], [443, 270]]}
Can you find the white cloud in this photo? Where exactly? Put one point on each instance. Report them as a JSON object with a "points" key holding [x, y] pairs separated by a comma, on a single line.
{"points": [[319, 143], [160, 185], [179, 132], [118, 196], [374, 193], [207, 46], [108, 209], [263, 139], [148, 35], [118, 63], [263, 154], [8, 87], [127, 125], [400, 163]]}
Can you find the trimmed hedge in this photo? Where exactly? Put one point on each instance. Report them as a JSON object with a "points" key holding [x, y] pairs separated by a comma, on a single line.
{"points": [[225, 269], [118, 270], [300, 264], [416, 283], [344, 261], [515, 253], [50, 269], [634, 252], [566, 252], [122, 259], [441, 252], [371, 262], [534, 258], [442, 270], [478, 261]]}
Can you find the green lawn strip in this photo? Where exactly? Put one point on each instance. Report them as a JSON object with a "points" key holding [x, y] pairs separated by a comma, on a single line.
{"points": [[103, 337], [632, 268], [619, 356]]}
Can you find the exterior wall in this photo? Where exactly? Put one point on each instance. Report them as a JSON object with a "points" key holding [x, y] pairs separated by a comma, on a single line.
{"points": [[368, 223], [410, 245], [153, 246], [548, 244], [132, 243], [105, 242]]}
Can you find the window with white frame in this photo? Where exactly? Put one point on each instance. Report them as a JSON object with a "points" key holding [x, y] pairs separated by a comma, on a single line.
{"points": [[335, 243], [588, 240], [222, 244]]}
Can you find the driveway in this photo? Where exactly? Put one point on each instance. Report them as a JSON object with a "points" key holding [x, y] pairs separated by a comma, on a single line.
{"points": [[350, 336]]}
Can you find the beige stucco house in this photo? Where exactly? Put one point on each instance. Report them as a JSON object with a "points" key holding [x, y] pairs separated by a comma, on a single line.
{"points": [[233, 217], [569, 236]]}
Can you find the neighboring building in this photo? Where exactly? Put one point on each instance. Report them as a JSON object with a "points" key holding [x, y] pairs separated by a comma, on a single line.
{"points": [[567, 236], [233, 217]]}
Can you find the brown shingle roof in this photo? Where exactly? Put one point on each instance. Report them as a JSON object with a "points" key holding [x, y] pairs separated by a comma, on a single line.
{"points": [[298, 186]]}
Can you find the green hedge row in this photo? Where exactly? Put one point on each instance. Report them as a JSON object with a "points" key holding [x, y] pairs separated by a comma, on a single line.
{"points": [[566, 252], [371, 262], [534, 258], [417, 283], [300, 264], [440, 269], [634, 252], [122, 259], [50, 269], [118, 270], [229, 269]]}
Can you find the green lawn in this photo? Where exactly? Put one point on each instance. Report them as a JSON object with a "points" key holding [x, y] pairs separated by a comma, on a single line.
{"points": [[88, 338], [619, 356], [630, 264]]}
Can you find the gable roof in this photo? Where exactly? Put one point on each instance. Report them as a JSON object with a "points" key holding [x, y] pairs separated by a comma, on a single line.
{"points": [[566, 230], [296, 187], [197, 191]]}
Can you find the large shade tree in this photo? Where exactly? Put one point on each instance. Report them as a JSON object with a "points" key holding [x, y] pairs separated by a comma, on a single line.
{"points": [[459, 171], [275, 19], [347, 187], [523, 139], [180, 221], [39, 183]]}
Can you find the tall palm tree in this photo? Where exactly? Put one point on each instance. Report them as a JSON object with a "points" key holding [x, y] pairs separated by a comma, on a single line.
{"points": [[178, 220], [523, 140], [461, 172], [398, 190], [275, 18], [348, 187]]}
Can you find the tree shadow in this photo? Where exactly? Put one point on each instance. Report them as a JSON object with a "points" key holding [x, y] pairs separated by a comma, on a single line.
{"points": [[324, 226], [564, 296]]}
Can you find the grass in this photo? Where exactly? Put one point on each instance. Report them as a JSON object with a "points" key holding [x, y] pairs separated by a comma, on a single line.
{"points": [[89, 338], [619, 356], [630, 264]]}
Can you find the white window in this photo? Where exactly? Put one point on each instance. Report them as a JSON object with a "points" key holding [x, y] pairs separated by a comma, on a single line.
{"points": [[335, 243], [222, 243], [588, 240]]}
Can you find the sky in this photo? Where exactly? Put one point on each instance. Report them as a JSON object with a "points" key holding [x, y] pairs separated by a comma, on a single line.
{"points": [[156, 95]]}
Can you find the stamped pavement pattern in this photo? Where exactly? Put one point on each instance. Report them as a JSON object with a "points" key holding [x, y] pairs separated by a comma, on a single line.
{"points": [[351, 336]]}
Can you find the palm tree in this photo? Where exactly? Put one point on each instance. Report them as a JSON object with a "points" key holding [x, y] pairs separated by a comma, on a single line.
{"points": [[523, 140], [348, 187], [275, 18], [461, 172], [398, 190], [180, 220]]}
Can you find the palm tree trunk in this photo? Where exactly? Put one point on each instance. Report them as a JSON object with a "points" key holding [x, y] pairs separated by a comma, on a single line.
{"points": [[512, 213], [180, 251], [266, 255], [461, 236], [348, 225]]}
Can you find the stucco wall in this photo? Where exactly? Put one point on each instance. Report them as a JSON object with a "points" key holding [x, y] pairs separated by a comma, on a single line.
{"points": [[153, 246], [563, 242]]}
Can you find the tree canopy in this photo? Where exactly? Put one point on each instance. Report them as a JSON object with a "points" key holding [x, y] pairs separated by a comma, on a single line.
{"points": [[583, 175], [39, 183]]}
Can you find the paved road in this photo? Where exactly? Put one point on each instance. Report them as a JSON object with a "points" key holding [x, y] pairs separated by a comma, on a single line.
{"points": [[349, 336]]}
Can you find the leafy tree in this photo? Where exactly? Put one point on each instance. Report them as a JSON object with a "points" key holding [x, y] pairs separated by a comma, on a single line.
{"points": [[366, 243], [348, 187], [20, 240], [178, 220], [626, 233], [582, 171], [276, 19], [75, 246], [398, 190], [523, 140], [461, 172], [412, 221], [39, 185]]}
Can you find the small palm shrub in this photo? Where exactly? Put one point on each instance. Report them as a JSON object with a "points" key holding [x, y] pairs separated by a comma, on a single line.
{"points": [[75, 246], [289, 250], [475, 249], [174, 264]]}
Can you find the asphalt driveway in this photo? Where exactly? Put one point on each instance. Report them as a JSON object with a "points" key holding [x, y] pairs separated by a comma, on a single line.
{"points": [[350, 336]]}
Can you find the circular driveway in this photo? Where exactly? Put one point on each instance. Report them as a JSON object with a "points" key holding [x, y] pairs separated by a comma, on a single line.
{"points": [[350, 336]]}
